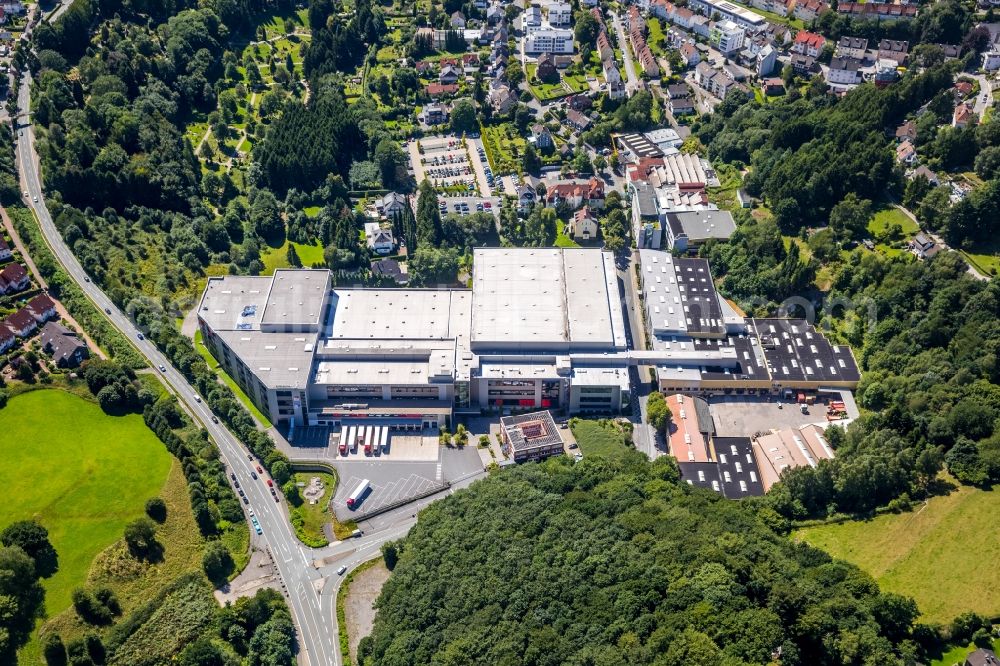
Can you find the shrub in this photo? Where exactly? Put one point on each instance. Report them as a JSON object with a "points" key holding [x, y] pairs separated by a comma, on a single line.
{"points": [[217, 562], [156, 509]]}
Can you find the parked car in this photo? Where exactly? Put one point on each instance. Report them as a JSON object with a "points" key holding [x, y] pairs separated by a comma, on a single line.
{"points": [[259, 469], [270, 484]]}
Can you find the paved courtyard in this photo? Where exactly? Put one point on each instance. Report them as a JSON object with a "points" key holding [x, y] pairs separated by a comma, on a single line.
{"points": [[745, 416]]}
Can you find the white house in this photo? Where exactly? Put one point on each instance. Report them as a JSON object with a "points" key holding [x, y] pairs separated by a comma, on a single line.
{"points": [[379, 240]]}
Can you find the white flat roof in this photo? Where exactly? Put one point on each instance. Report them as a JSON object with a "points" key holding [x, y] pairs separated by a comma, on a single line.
{"points": [[545, 298], [395, 314], [234, 302]]}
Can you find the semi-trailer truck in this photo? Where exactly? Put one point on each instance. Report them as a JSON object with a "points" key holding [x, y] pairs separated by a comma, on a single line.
{"points": [[355, 497]]}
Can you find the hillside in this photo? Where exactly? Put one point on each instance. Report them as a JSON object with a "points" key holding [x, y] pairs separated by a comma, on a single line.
{"points": [[615, 562]]}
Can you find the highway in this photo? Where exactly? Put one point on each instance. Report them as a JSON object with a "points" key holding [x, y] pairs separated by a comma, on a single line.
{"points": [[308, 576]]}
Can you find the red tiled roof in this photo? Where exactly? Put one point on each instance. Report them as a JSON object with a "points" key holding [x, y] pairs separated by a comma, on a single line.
{"points": [[442, 88], [810, 39]]}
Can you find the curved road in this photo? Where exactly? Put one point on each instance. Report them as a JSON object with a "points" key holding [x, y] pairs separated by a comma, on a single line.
{"points": [[308, 576]]}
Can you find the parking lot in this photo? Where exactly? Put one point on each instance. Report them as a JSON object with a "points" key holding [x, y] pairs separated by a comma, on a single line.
{"points": [[743, 416], [401, 446], [448, 163], [396, 481]]}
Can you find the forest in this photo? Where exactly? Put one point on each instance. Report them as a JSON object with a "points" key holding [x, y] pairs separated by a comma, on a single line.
{"points": [[618, 562]]}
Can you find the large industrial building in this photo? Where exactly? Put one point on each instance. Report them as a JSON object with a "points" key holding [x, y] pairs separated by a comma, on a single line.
{"points": [[701, 344], [540, 328]]}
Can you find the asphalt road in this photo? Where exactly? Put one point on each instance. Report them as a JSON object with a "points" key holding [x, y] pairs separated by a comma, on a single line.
{"points": [[308, 576], [623, 44]]}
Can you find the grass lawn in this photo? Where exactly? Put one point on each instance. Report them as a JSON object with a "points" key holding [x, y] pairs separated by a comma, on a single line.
{"points": [[84, 476], [656, 38], [81, 473], [308, 519], [926, 553], [886, 217], [228, 381], [598, 437], [277, 257], [562, 240], [986, 257], [956, 655]]}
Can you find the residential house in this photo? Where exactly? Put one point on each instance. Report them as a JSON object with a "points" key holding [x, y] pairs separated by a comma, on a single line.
{"points": [[584, 224], [378, 239], [991, 60], [458, 21], [907, 131], [950, 51], [7, 337], [808, 10], [963, 88], [13, 278], [13, 7], [441, 89], [21, 323], [502, 99], [470, 63], [613, 80], [679, 99], [435, 114], [546, 68], [577, 120], [526, 197], [576, 194], [886, 72], [963, 116], [773, 86], [531, 19], [701, 25], [766, 61], [635, 20], [883, 11], [554, 40], [774, 6], [541, 137], [560, 14], [604, 48], [727, 37], [648, 61], [803, 65], [494, 14], [390, 269], [579, 102], [5, 252], [852, 47], [62, 344], [808, 43], [893, 49], [906, 153], [391, 204], [843, 71], [689, 54], [931, 177], [449, 74], [42, 308], [924, 246], [982, 657]]}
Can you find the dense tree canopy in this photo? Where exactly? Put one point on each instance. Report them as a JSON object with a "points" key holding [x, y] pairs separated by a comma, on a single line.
{"points": [[619, 563]]}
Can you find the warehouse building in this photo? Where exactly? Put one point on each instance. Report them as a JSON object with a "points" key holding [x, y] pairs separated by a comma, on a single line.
{"points": [[703, 345], [540, 329]]}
